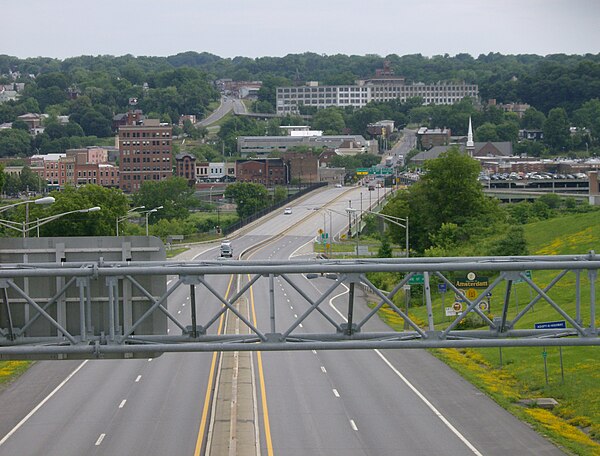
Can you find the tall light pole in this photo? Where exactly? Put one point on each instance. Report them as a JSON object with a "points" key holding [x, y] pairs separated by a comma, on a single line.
{"points": [[51, 218], [25, 224], [25, 228], [350, 210], [129, 214], [148, 213], [395, 221]]}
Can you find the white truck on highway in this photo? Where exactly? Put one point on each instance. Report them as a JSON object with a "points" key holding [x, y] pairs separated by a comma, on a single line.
{"points": [[226, 249]]}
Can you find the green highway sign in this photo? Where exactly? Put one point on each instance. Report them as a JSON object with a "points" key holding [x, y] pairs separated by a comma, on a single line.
{"points": [[381, 171], [416, 279]]}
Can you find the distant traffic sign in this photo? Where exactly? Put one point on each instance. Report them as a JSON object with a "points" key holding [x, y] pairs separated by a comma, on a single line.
{"points": [[471, 293], [416, 279], [442, 288], [381, 171], [551, 325]]}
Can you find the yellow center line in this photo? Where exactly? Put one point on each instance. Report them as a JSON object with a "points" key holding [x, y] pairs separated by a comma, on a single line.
{"points": [[211, 376], [263, 391]]}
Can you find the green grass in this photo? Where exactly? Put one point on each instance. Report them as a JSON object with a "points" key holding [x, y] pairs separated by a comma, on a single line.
{"points": [[572, 234], [176, 251], [10, 370], [575, 423]]}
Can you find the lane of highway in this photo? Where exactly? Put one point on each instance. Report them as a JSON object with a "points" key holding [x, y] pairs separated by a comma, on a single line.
{"points": [[372, 402], [314, 402]]}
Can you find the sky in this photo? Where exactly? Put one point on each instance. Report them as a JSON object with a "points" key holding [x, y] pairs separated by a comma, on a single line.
{"points": [[259, 28]]}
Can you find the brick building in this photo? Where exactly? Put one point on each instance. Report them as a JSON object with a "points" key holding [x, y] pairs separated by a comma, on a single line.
{"points": [[144, 152], [302, 167], [266, 171], [185, 166]]}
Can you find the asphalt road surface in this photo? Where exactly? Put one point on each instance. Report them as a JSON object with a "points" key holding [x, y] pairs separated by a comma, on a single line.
{"points": [[368, 402]]}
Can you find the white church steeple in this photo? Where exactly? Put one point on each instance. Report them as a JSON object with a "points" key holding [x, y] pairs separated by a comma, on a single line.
{"points": [[470, 143]]}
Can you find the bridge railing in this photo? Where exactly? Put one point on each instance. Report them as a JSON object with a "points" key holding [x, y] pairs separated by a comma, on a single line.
{"points": [[88, 309]]}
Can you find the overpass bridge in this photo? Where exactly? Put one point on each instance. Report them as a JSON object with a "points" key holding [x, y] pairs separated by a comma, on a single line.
{"points": [[507, 195], [62, 307]]}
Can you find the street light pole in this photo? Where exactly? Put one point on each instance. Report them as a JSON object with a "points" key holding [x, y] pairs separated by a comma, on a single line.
{"points": [[25, 224], [148, 213], [127, 215], [51, 218], [395, 221], [24, 228], [349, 210]]}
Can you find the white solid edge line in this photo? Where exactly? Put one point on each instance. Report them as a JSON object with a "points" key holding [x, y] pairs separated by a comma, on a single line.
{"points": [[46, 399], [429, 404], [415, 390]]}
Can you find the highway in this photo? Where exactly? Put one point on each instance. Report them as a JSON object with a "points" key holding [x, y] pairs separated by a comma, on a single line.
{"points": [[317, 403], [227, 104], [373, 402]]}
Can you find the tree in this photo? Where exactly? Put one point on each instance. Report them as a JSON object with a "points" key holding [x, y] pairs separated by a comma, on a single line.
{"points": [[533, 119], [513, 243], [190, 130], [556, 129], [448, 192], [174, 195], [2, 177], [263, 107], [486, 132], [113, 204], [20, 125], [96, 124], [385, 249], [248, 196], [279, 194], [31, 181], [329, 120], [12, 184], [14, 142], [588, 116], [508, 131]]}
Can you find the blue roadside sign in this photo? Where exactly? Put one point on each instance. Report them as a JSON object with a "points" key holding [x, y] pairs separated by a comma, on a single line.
{"points": [[442, 288], [551, 325]]}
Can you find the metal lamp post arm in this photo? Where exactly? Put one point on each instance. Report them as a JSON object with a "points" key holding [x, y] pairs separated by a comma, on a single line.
{"points": [[45, 200], [130, 213], [394, 220], [18, 226], [51, 218]]}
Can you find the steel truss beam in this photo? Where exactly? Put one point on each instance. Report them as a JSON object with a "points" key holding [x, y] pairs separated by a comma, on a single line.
{"points": [[81, 340]]}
